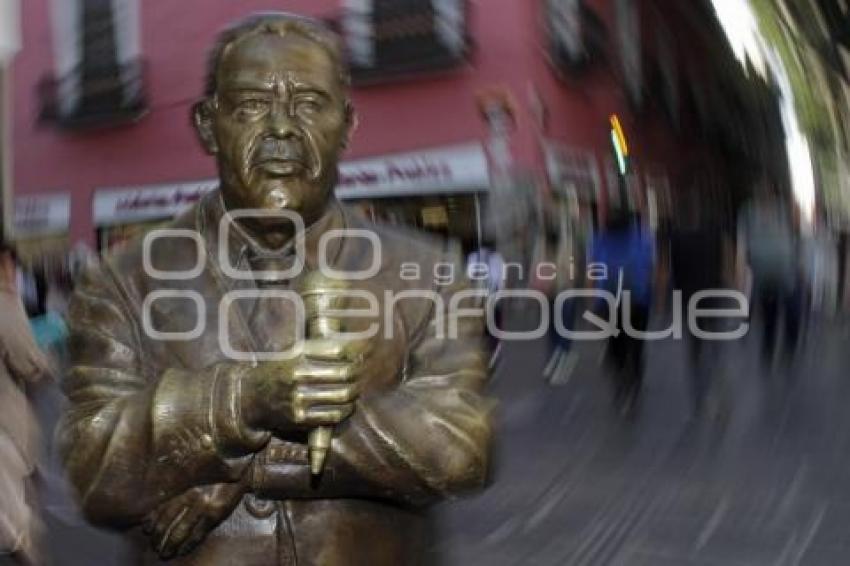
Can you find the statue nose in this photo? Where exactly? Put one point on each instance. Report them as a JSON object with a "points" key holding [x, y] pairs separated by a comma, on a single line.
{"points": [[281, 124]]}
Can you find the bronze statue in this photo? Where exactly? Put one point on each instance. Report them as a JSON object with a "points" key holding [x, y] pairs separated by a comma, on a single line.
{"points": [[186, 427]]}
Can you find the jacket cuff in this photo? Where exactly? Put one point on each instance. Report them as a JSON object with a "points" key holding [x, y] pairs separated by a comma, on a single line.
{"points": [[281, 468], [197, 414], [230, 432]]}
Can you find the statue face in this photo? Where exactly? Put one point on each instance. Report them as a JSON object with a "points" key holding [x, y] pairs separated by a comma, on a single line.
{"points": [[277, 125]]}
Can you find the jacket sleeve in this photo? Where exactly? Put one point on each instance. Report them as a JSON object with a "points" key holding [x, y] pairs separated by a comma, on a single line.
{"points": [[132, 435], [424, 440]]}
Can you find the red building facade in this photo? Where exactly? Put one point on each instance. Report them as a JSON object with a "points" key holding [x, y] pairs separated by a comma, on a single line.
{"points": [[419, 133]]}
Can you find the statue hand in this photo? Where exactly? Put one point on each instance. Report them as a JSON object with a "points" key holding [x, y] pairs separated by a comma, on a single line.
{"points": [[179, 525], [316, 388]]}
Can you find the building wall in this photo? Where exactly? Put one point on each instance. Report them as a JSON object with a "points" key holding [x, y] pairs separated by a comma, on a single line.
{"points": [[421, 112], [161, 147]]}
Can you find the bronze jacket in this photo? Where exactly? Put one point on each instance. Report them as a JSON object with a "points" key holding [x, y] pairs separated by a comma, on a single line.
{"points": [[150, 417]]}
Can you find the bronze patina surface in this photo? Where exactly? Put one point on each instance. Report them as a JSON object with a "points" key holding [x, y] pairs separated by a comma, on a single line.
{"points": [[197, 442]]}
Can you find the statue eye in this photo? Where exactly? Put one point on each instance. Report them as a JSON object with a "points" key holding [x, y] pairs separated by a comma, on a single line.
{"points": [[251, 106], [309, 106]]}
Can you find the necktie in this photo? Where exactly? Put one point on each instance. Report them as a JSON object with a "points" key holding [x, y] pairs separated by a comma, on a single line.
{"points": [[273, 317]]}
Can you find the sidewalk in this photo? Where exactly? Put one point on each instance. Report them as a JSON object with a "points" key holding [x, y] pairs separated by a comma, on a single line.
{"points": [[575, 484]]}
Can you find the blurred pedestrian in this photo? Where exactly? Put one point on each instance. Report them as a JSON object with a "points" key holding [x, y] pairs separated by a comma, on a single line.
{"points": [[699, 252], [769, 242], [627, 248], [486, 266], [22, 365], [568, 269], [820, 259]]}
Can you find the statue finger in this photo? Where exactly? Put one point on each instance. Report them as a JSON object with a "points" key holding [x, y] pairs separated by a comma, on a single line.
{"points": [[328, 394], [328, 416], [223, 498], [166, 522], [325, 373], [161, 518], [325, 349], [158, 520], [200, 531], [179, 532]]}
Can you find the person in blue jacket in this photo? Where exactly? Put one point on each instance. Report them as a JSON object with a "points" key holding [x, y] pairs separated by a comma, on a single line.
{"points": [[627, 250]]}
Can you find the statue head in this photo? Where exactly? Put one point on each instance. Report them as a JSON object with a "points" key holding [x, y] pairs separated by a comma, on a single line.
{"points": [[276, 113]]}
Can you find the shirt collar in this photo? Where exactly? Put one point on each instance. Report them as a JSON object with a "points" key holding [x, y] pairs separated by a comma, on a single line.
{"points": [[242, 248]]}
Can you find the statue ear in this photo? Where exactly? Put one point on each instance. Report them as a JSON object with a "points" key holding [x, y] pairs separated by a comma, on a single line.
{"points": [[202, 117], [351, 122]]}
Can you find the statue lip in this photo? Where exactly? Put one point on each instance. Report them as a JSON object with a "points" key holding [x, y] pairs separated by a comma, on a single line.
{"points": [[278, 166]]}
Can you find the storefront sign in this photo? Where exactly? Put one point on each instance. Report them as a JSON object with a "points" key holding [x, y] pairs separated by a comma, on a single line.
{"points": [[42, 215], [457, 169], [138, 204]]}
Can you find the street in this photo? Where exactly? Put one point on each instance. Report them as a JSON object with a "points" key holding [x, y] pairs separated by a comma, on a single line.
{"points": [[577, 484]]}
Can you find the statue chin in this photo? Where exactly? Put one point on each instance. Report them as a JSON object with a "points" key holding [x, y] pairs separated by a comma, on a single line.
{"points": [[292, 193], [269, 196], [280, 198]]}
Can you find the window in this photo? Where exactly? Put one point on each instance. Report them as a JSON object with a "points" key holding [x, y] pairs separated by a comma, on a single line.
{"points": [[387, 38], [99, 74]]}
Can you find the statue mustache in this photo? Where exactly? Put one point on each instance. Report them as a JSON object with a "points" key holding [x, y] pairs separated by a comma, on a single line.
{"points": [[280, 150], [289, 150]]}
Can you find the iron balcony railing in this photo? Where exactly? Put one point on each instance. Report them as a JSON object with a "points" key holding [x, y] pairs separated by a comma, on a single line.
{"points": [[396, 39], [95, 96]]}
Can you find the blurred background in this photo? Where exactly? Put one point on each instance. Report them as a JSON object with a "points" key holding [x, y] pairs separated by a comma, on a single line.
{"points": [[691, 144]]}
